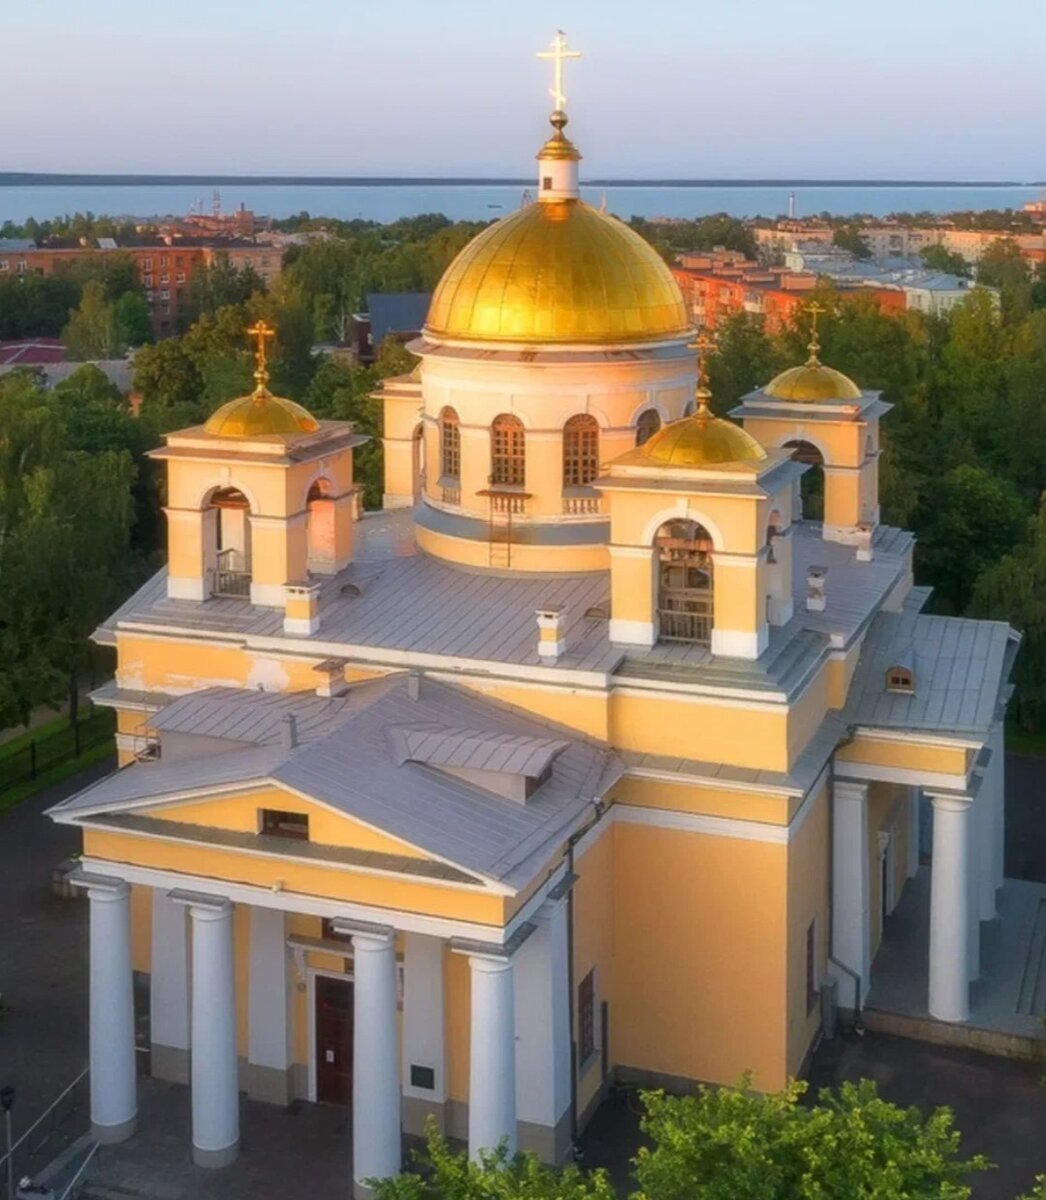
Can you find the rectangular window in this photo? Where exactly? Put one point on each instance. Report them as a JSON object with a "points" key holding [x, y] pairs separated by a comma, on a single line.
{"points": [[148, 281], [546, 183], [3, 264], [811, 967], [147, 264], [180, 277], [586, 1018], [163, 260], [165, 278], [165, 294], [276, 823]]}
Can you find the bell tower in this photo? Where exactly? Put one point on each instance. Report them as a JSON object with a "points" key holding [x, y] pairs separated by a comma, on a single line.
{"points": [[259, 498]]}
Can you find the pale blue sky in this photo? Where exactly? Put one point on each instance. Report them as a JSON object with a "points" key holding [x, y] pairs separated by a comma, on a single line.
{"points": [[738, 88]]}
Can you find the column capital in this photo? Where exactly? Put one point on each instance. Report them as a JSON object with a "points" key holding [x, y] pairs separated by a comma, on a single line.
{"points": [[949, 801], [492, 952], [849, 789], [100, 887], [366, 935], [202, 906]]}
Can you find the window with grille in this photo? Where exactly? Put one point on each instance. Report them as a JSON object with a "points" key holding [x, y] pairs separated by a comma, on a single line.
{"points": [[586, 1018], [508, 451], [580, 451], [276, 823], [450, 444], [648, 424]]}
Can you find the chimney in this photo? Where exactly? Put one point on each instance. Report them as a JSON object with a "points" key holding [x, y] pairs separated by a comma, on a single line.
{"points": [[815, 589], [413, 685], [289, 731], [551, 643], [301, 615], [332, 681], [863, 541]]}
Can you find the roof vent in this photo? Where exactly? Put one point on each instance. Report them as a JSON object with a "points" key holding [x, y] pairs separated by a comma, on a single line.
{"points": [[815, 589], [350, 590], [289, 731], [414, 685]]}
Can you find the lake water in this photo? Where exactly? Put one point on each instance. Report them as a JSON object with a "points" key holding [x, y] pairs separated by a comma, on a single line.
{"points": [[387, 202]]}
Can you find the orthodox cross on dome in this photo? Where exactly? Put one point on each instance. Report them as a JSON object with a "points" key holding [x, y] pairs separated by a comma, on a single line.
{"points": [[814, 345], [261, 331], [558, 54], [704, 345]]}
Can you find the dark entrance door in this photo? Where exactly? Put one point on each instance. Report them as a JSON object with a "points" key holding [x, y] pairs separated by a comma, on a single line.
{"points": [[333, 1040]]}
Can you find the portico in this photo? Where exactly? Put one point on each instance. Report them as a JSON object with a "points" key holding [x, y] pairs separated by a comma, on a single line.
{"points": [[517, 1048]]}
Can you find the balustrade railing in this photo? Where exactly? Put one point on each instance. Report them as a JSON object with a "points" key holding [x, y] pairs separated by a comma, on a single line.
{"points": [[233, 574]]}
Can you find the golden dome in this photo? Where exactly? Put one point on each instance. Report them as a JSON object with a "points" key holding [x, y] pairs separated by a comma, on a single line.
{"points": [[558, 272], [259, 414], [700, 440], [810, 382]]}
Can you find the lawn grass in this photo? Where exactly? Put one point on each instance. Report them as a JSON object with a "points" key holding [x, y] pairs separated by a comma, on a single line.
{"points": [[13, 745], [1020, 741], [55, 774]]}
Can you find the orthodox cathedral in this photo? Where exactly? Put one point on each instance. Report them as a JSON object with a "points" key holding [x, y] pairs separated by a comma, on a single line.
{"points": [[589, 759]]}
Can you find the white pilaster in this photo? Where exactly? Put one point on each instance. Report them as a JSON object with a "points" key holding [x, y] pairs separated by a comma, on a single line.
{"points": [[169, 990], [376, 1146], [214, 1069], [996, 779], [423, 1028], [492, 1055], [268, 1008], [914, 796], [114, 1103], [973, 923], [543, 1033], [851, 935], [949, 998], [983, 869]]}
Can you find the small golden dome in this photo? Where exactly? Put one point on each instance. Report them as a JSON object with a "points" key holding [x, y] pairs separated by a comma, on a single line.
{"points": [[810, 382], [558, 272], [698, 441], [259, 414]]}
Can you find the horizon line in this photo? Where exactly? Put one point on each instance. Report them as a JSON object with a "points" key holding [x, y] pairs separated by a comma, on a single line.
{"points": [[141, 179]]}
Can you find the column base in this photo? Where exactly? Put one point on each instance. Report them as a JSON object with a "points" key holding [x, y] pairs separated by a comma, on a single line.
{"points": [[360, 1191], [271, 1085], [416, 1114], [550, 1143], [216, 1158], [110, 1135]]}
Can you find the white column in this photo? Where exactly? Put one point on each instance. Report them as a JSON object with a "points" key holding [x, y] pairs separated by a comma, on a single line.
{"points": [[949, 998], [997, 780], [914, 794], [268, 1008], [423, 1031], [492, 1055], [114, 1104], [851, 935], [376, 1145], [984, 867], [973, 923], [169, 990], [214, 1069], [542, 1000]]}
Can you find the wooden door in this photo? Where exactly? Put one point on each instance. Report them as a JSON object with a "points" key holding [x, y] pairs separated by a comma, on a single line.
{"points": [[333, 1040]]}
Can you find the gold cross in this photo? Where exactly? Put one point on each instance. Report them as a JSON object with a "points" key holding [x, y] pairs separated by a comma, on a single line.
{"points": [[704, 345], [559, 53], [262, 332], [814, 309]]}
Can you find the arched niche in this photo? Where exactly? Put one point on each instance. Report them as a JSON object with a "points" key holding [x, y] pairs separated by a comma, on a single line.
{"points": [[685, 582]]}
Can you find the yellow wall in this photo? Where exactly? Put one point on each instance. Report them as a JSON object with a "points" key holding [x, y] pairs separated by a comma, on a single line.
{"points": [[808, 859], [906, 755], [571, 707], [141, 928], [457, 1013], [700, 941], [706, 801]]}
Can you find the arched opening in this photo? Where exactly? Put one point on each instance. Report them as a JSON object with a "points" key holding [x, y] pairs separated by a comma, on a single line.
{"points": [[773, 529], [228, 529], [508, 455], [417, 459], [580, 451], [449, 445], [321, 547], [647, 425], [685, 590], [811, 486]]}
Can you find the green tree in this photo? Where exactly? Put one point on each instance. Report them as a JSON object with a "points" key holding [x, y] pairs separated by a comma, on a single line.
{"points": [[724, 1143], [1014, 590], [848, 237], [744, 358], [447, 1175], [967, 521], [940, 258], [170, 384], [93, 331], [133, 323]]}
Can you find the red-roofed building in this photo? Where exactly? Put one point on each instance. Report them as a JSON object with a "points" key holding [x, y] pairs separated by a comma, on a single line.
{"points": [[31, 352]]}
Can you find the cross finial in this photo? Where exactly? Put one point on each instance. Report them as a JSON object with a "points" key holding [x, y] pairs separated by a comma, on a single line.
{"points": [[558, 54], [815, 310], [704, 345], [262, 332]]}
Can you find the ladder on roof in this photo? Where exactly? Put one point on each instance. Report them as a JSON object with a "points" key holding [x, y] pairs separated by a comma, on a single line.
{"points": [[504, 505]]}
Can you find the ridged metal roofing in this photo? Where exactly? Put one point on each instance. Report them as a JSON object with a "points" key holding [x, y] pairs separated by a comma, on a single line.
{"points": [[474, 749]]}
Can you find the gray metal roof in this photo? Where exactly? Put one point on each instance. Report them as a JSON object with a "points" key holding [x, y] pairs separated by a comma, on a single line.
{"points": [[960, 665], [396, 312], [260, 719], [352, 769], [474, 749]]}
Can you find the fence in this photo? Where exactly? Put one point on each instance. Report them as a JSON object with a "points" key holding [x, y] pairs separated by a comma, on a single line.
{"points": [[60, 1123], [57, 746]]}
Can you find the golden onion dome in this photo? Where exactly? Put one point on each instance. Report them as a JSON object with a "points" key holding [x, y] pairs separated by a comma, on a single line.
{"points": [[558, 272], [810, 382], [259, 414], [700, 441]]}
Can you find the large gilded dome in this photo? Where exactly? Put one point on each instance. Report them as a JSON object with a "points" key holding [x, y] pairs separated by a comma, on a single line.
{"points": [[558, 272]]}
